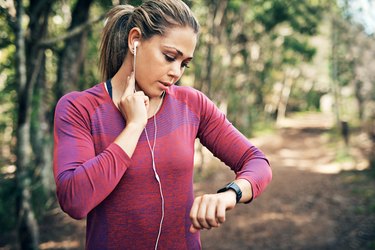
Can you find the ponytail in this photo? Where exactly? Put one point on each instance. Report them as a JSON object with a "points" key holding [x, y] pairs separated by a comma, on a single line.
{"points": [[114, 44]]}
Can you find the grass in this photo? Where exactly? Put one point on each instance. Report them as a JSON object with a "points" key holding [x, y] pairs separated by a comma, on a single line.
{"points": [[263, 128], [361, 183], [343, 155], [362, 186]]}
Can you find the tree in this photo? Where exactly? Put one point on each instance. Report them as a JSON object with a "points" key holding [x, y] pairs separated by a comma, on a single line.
{"points": [[33, 147], [27, 224], [249, 46]]}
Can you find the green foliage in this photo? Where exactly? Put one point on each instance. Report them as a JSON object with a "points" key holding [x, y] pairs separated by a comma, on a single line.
{"points": [[251, 47], [6, 34], [40, 203], [300, 47], [360, 182], [303, 16], [7, 202], [8, 95], [274, 12], [89, 75]]}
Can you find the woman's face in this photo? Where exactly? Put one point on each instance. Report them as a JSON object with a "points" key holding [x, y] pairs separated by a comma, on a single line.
{"points": [[161, 60]]}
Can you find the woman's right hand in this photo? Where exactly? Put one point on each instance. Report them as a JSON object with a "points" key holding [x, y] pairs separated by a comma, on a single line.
{"points": [[134, 104]]}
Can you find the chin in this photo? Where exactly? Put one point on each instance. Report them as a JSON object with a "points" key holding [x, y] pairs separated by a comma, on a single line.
{"points": [[154, 94]]}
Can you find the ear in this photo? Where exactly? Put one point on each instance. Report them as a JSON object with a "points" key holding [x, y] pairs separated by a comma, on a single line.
{"points": [[134, 36]]}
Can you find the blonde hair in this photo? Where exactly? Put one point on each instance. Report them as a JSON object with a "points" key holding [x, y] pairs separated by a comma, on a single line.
{"points": [[153, 17]]}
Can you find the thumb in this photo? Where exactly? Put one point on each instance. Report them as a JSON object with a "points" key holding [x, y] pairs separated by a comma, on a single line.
{"points": [[130, 86], [193, 229]]}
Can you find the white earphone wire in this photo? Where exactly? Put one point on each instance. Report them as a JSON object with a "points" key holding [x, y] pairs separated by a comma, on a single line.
{"points": [[152, 149], [134, 57]]}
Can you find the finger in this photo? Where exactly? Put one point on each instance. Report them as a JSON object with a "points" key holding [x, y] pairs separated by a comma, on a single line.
{"points": [[220, 213], [201, 215], [145, 98], [193, 229], [130, 87], [194, 212], [139, 93], [211, 214], [146, 101]]}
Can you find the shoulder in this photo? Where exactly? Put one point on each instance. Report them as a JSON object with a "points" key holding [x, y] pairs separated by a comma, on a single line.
{"points": [[197, 101], [186, 94], [80, 101]]}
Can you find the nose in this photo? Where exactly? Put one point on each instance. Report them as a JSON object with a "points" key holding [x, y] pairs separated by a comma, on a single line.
{"points": [[175, 71]]}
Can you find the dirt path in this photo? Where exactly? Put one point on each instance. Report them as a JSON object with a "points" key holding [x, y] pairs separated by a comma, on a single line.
{"points": [[310, 204]]}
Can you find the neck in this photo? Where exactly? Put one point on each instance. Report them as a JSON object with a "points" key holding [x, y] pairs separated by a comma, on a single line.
{"points": [[154, 108], [119, 83], [119, 80]]}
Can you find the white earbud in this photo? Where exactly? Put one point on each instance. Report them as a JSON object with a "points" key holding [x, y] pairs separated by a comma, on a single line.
{"points": [[135, 55], [135, 47]]}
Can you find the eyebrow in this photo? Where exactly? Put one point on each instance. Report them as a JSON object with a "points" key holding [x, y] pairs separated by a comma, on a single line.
{"points": [[178, 51]]}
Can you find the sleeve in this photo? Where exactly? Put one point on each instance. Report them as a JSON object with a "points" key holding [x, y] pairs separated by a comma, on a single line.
{"points": [[83, 179], [232, 147]]}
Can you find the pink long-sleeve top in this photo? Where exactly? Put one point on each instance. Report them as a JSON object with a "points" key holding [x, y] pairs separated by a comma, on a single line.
{"points": [[120, 195]]}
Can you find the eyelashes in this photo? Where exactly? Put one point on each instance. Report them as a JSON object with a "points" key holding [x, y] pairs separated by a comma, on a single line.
{"points": [[169, 58], [172, 59]]}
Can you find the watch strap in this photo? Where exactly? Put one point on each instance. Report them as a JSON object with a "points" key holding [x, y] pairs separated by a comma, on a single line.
{"points": [[232, 186]]}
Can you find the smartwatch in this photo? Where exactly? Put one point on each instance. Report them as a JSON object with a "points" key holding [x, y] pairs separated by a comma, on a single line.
{"points": [[232, 186]]}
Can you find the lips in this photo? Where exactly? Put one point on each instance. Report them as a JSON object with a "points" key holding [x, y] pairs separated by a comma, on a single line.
{"points": [[165, 85]]}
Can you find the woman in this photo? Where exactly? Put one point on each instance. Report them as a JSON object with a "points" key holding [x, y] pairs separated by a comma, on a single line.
{"points": [[124, 148]]}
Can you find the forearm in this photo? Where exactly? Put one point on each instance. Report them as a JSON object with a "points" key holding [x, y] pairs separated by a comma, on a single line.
{"points": [[246, 189], [129, 137], [84, 180], [81, 187], [236, 151], [258, 174]]}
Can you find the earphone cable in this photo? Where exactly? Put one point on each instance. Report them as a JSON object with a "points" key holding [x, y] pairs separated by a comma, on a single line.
{"points": [[152, 149]]}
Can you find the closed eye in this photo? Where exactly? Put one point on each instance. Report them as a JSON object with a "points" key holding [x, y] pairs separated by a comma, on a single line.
{"points": [[169, 58], [185, 65]]}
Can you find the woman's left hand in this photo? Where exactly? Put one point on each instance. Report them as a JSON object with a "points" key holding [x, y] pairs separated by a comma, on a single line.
{"points": [[209, 210]]}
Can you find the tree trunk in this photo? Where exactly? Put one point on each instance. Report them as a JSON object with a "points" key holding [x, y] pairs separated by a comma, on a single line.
{"points": [[284, 97], [73, 54], [334, 81], [216, 14], [27, 224], [40, 126], [42, 141], [358, 85]]}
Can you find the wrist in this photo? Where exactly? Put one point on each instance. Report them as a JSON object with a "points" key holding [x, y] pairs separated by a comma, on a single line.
{"points": [[135, 127], [233, 188], [230, 196], [128, 138]]}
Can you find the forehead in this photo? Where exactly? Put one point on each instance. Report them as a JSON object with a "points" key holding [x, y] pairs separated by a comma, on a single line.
{"points": [[181, 38]]}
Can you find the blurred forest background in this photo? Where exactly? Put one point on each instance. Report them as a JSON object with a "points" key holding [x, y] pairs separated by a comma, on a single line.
{"points": [[261, 61]]}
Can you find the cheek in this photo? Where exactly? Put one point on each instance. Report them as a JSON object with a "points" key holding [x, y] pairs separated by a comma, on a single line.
{"points": [[151, 63], [182, 73], [150, 69]]}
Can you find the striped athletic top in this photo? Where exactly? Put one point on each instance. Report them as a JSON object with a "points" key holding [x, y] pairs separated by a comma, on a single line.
{"points": [[119, 195]]}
